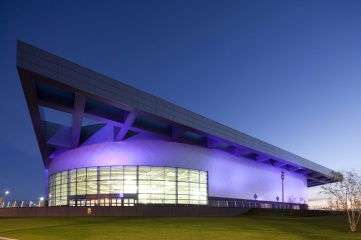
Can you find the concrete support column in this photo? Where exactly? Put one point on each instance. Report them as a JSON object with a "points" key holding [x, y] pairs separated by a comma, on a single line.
{"points": [[46, 197]]}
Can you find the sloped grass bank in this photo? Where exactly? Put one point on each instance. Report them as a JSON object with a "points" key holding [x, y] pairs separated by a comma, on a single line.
{"points": [[256, 224]]}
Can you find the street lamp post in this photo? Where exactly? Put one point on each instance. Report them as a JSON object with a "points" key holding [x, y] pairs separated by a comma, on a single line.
{"points": [[283, 200], [40, 200], [6, 194]]}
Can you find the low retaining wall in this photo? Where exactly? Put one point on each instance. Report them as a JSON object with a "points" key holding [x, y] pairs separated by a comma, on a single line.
{"points": [[121, 211]]}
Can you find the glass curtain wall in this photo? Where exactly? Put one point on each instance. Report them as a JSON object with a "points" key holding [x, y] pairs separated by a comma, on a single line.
{"points": [[128, 185]]}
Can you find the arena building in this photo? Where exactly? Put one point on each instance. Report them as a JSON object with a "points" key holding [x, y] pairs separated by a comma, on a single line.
{"points": [[125, 147]]}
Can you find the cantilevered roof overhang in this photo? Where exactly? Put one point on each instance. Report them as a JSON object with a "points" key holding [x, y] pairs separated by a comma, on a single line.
{"points": [[53, 82]]}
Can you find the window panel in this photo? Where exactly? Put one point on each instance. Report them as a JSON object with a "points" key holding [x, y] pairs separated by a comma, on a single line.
{"points": [[144, 187], [203, 176], [157, 173], [170, 174], [92, 174], [194, 197], [193, 202], [194, 176], [104, 187], [130, 186], [170, 189], [157, 196], [183, 196], [81, 174], [72, 175], [116, 173], [130, 173], [116, 186], [203, 198], [64, 177], [194, 186], [144, 173], [81, 188], [183, 174], [144, 198], [183, 188], [157, 186], [92, 187], [58, 179], [104, 173], [64, 190], [169, 184], [169, 197], [170, 201], [64, 201], [72, 188]]}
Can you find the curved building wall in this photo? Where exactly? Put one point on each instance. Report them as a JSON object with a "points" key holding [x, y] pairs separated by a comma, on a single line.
{"points": [[228, 176]]}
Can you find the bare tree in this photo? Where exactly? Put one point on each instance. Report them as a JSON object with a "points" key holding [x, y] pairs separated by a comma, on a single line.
{"points": [[291, 199], [347, 191], [331, 203]]}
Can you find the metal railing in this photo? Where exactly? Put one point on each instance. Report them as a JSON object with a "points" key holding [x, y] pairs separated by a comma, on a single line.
{"points": [[211, 203], [25, 203], [256, 204]]}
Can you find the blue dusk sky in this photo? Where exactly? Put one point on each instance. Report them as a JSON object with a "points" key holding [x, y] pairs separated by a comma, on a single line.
{"points": [[286, 72]]}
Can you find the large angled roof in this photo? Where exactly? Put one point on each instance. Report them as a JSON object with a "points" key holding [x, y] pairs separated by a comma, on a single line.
{"points": [[52, 82]]}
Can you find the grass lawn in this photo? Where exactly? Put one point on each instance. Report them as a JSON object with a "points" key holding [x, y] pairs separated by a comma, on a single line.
{"points": [[257, 224]]}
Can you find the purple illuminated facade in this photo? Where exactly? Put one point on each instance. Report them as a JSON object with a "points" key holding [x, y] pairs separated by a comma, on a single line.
{"points": [[229, 176], [123, 146]]}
